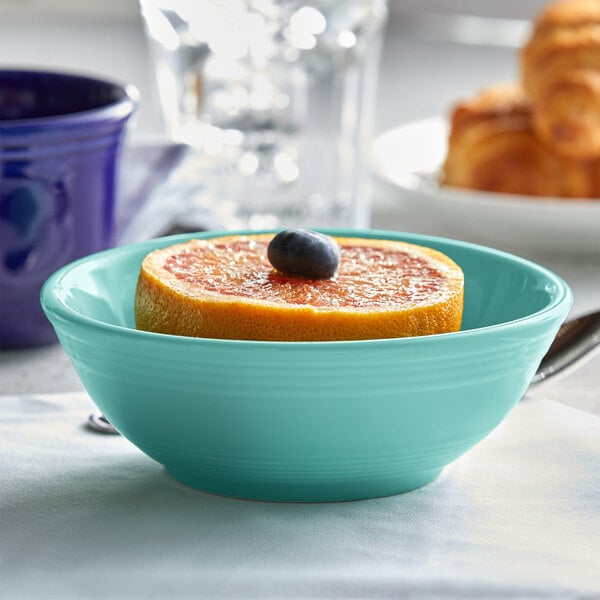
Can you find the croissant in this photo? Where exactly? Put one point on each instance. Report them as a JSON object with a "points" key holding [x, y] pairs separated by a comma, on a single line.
{"points": [[492, 146], [560, 71]]}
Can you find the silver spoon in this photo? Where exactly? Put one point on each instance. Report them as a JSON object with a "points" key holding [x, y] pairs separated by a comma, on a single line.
{"points": [[575, 340], [98, 422]]}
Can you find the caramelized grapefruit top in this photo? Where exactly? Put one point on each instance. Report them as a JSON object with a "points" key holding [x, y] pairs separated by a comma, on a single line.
{"points": [[225, 287]]}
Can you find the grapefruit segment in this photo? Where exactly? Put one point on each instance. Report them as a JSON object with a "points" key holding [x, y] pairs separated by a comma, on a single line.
{"points": [[225, 288]]}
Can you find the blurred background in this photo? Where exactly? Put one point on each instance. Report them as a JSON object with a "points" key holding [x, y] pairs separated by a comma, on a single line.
{"points": [[434, 52]]}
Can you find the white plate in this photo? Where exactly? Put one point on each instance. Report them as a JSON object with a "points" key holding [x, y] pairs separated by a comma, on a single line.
{"points": [[409, 158]]}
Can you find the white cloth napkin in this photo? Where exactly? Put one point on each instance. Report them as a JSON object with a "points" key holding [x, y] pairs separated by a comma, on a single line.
{"points": [[86, 515]]}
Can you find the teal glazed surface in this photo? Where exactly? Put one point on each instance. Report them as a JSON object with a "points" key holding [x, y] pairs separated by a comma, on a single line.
{"points": [[309, 421]]}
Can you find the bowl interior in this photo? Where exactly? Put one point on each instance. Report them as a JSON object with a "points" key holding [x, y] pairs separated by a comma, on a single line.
{"points": [[498, 287]]}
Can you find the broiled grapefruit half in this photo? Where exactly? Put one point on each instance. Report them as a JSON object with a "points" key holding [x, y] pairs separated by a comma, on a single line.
{"points": [[225, 287]]}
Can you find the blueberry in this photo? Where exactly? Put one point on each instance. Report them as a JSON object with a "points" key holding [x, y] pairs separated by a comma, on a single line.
{"points": [[304, 253]]}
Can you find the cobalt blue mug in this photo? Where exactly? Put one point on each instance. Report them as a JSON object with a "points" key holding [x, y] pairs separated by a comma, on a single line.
{"points": [[60, 142]]}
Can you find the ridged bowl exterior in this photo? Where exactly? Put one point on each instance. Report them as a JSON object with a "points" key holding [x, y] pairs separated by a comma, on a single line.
{"points": [[315, 421]]}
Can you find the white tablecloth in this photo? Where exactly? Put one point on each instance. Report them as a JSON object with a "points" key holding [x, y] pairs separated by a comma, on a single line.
{"points": [[86, 515]]}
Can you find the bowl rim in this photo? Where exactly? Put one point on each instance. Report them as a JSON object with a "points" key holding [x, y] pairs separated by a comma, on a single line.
{"points": [[52, 305]]}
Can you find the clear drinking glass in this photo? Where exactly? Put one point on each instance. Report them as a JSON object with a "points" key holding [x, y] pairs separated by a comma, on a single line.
{"points": [[275, 100]]}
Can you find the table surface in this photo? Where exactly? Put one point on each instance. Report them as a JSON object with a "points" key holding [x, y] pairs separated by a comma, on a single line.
{"points": [[88, 516]]}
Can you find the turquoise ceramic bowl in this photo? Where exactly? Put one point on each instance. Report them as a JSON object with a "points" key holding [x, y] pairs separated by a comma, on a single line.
{"points": [[308, 421]]}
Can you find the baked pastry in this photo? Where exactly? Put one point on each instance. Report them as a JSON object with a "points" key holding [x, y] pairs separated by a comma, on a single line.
{"points": [[560, 67], [492, 146]]}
